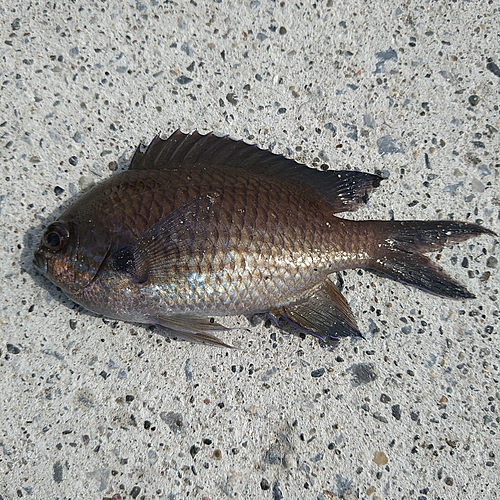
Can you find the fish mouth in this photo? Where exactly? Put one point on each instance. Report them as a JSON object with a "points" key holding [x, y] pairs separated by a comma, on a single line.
{"points": [[40, 262]]}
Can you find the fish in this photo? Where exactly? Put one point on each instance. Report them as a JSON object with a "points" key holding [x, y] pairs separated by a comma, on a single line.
{"points": [[201, 227]]}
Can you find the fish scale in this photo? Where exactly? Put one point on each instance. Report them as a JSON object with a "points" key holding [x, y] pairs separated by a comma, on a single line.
{"points": [[202, 226]]}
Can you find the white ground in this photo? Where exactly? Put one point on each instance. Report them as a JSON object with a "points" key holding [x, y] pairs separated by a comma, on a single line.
{"points": [[97, 409]]}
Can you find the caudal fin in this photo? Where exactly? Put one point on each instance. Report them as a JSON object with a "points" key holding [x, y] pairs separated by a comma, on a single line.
{"points": [[399, 255]]}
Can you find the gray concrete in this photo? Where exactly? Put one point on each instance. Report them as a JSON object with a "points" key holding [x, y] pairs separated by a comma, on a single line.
{"points": [[98, 409]]}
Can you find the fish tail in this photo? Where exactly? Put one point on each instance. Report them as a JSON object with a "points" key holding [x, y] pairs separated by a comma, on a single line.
{"points": [[400, 247]]}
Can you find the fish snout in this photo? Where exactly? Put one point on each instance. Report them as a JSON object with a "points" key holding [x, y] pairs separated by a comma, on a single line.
{"points": [[40, 262]]}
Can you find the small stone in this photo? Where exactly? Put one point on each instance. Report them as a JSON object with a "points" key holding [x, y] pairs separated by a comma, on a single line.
{"points": [[85, 182], [13, 349], [232, 98], [385, 398], [73, 160], [174, 421], [492, 262], [184, 80], [57, 472], [58, 190], [380, 417], [134, 493], [264, 484], [318, 373], [491, 66], [387, 145], [396, 411], [380, 458], [332, 128], [473, 100]]}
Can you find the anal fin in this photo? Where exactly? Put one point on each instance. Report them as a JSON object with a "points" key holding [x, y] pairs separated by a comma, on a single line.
{"points": [[323, 312]]}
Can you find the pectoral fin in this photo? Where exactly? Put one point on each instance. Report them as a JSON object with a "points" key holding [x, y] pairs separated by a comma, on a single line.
{"points": [[172, 242], [324, 313]]}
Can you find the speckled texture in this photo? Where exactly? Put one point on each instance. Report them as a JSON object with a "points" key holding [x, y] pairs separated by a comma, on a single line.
{"points": [[92, 408]]}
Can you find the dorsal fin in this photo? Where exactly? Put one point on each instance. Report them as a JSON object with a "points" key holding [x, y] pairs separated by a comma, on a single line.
{"points": [[342, 190]]}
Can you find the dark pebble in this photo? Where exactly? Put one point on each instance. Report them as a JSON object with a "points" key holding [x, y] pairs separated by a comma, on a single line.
{"points": [[492, 262], [318, 373], [194, 450], [73, 160], [380, 418], [385, 398], [396, 411], [491, 66], [473, 100], [134, 493], [184, 80], [57, 472], [264, 484], [13, 349], [332, 128], [232, 98], [277, 495]]}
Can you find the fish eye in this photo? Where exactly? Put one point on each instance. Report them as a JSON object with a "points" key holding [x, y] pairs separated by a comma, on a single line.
{"points": [[56, 236]]}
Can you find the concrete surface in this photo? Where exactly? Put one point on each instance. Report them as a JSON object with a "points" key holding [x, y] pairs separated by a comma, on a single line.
{"points": [[92, 408]]}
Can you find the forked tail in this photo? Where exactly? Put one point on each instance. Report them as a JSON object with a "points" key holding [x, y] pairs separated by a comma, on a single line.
{"points": [[400, 249]]}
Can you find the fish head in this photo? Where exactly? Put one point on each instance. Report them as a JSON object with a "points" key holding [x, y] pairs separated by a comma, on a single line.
{"points": [[71, 255]]}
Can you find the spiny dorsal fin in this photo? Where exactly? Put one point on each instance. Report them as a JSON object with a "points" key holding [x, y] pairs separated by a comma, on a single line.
{"points": [[342, 190]]}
